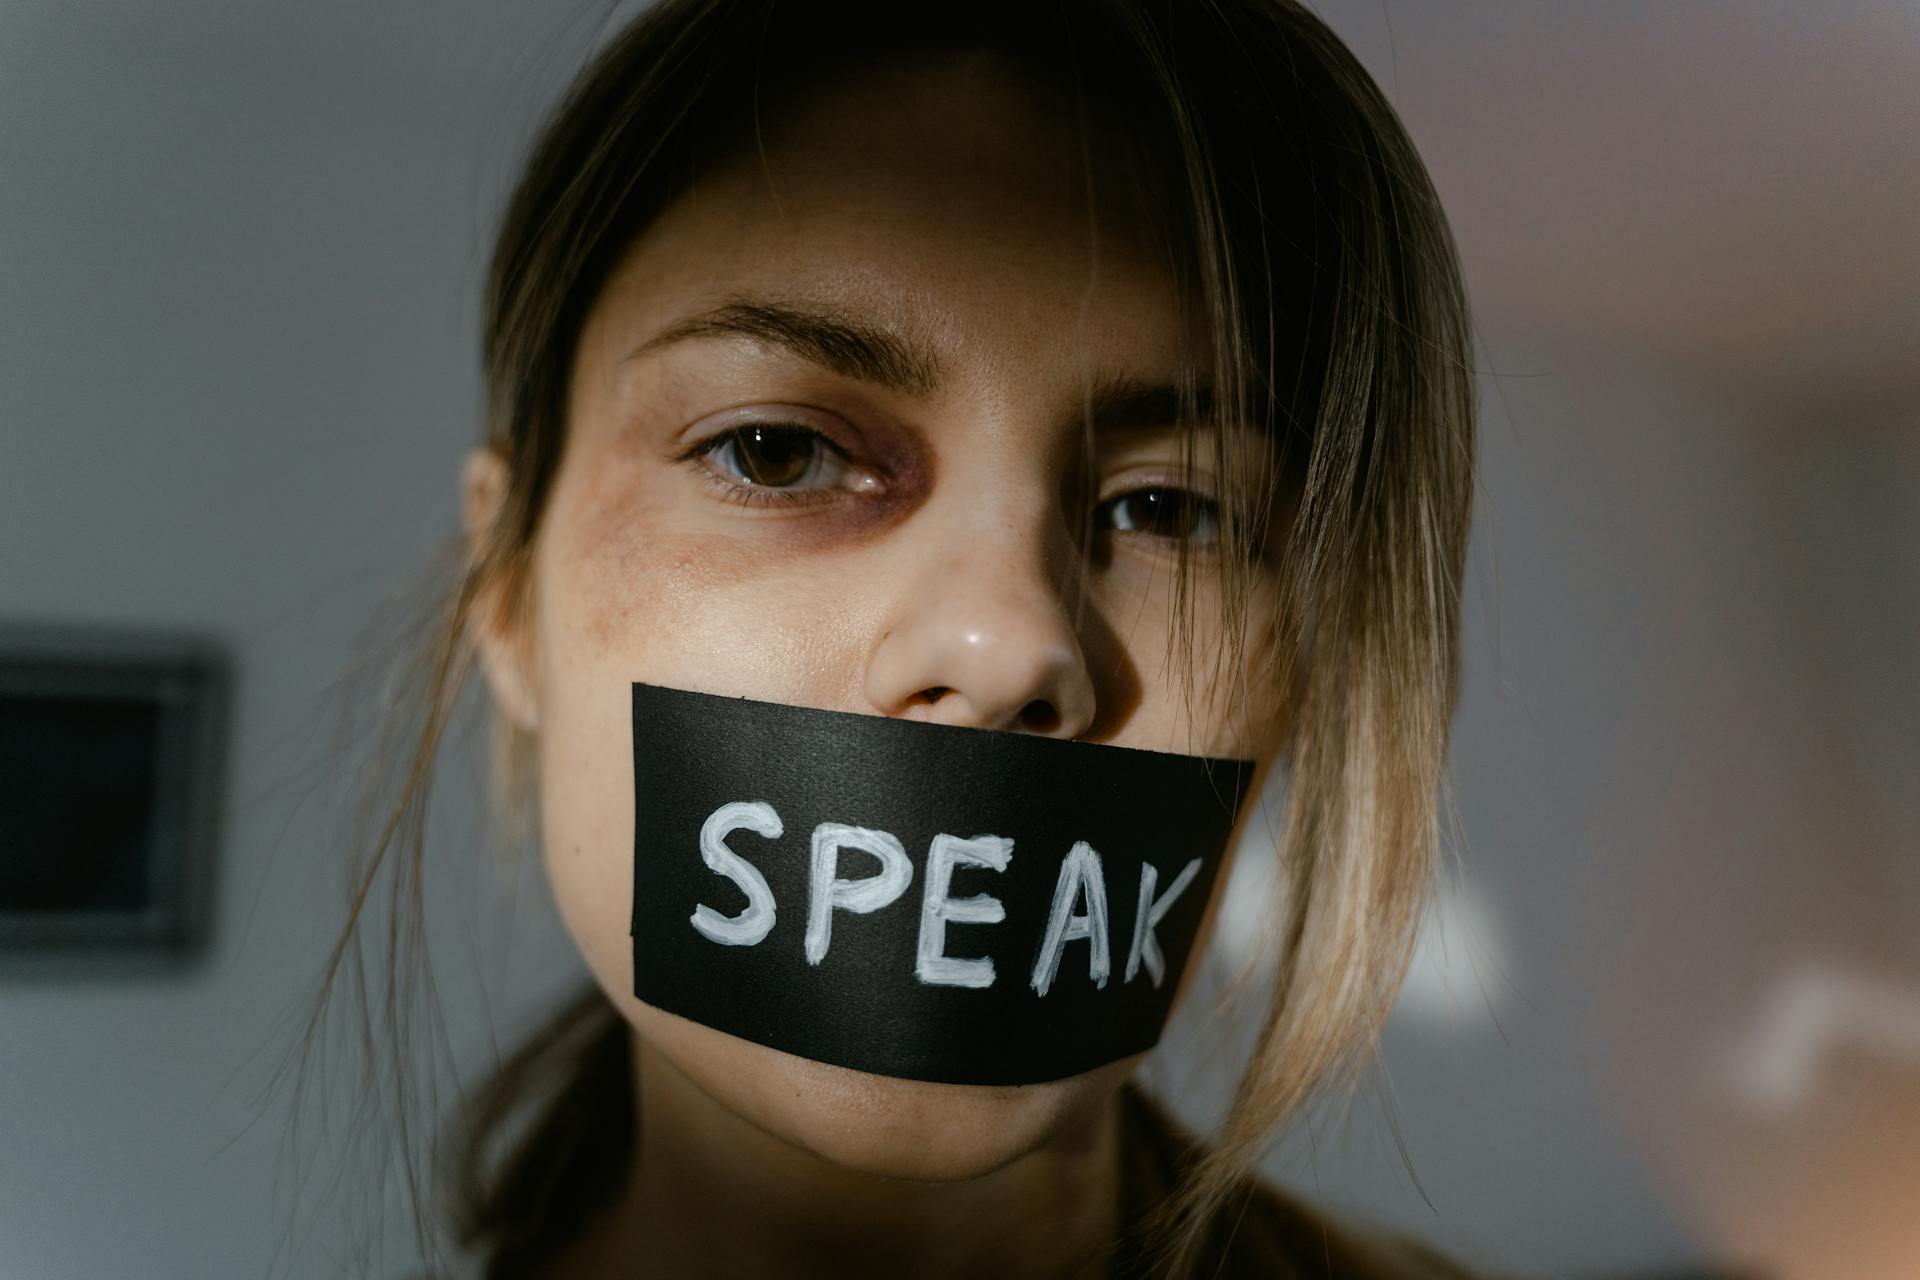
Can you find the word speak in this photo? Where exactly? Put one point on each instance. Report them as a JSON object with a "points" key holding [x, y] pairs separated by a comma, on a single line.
{"points": [[1078, 912]]}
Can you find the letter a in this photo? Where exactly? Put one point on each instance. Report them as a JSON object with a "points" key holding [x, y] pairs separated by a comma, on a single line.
{"points": [[1080, 877]]}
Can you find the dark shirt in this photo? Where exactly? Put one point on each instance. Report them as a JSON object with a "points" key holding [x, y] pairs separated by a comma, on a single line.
{"points": [[1262, 1232]]}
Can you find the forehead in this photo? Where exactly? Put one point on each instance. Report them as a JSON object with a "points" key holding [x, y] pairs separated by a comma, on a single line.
{"points": [[953, 197]]}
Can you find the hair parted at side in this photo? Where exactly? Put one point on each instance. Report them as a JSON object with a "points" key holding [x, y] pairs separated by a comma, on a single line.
{"points": [[1303, 228]]}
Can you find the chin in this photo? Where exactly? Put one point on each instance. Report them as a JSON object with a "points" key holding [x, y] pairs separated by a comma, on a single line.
{"points": [[921, 1131], [882, 1126]]}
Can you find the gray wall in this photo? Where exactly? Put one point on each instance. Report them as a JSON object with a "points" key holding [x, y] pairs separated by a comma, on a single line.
{"points": [[239, 253]]}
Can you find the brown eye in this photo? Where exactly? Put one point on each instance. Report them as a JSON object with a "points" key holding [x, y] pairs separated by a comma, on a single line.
{"points": [[1163, 513], [772, 457]]}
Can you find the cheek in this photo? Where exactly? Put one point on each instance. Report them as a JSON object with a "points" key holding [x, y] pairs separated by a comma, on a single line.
{"points": [[1210, 705], [637, 583], [624, 592]]}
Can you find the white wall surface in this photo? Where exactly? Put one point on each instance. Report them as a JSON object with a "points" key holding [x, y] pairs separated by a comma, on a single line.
{"points": [[240, 248]]}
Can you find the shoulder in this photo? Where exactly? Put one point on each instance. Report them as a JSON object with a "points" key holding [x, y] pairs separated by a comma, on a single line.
{"points": [[1264, 1231], [1278, 1235]]}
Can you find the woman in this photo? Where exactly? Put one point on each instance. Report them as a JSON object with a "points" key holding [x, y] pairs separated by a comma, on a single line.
{"points": [[1094, 372]]}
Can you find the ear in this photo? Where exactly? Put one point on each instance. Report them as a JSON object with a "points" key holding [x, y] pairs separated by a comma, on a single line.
{"points": [[500, 632]]}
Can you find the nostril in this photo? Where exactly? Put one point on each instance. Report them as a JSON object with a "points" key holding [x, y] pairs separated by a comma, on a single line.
{"points": [[934, 694], [1039, 716]]}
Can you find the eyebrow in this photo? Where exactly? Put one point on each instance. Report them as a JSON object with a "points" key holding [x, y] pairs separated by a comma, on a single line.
{"points": [[844, 343], [1115, 404], [855, 348]]}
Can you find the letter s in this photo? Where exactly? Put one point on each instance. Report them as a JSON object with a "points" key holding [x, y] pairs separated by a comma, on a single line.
{"points": [[756, 921]]}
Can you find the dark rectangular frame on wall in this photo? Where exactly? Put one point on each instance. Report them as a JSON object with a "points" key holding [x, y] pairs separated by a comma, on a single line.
{"points": [[158, 705]]}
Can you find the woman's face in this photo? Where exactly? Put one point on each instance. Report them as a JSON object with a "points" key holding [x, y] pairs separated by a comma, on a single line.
{"points": [[826, 448]]}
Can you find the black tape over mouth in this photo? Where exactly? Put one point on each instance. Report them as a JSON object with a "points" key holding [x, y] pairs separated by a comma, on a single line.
{"points": [[916, 900]]}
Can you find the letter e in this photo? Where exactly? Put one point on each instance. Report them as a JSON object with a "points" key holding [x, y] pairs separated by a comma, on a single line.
{"points": [[933, 965]]}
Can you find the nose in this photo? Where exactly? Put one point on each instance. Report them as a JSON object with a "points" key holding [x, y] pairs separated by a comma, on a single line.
{"points": [[983, 636]]}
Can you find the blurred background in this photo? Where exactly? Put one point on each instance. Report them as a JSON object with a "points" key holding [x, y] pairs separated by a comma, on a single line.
{"points": [[1666, 1020]]}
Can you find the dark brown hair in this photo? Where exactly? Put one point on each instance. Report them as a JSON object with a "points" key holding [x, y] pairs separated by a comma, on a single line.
{"points": [[1304, 230]]}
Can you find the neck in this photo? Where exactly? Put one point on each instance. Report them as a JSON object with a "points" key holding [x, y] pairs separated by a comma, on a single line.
{"points": [[712, 1194]]}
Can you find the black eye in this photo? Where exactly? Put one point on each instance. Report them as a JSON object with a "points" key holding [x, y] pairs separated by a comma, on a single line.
{"points": [[1163, 513], [774, 457]]}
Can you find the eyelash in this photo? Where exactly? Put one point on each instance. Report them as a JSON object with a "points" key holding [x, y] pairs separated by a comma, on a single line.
{"points": [[747, 493]]}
